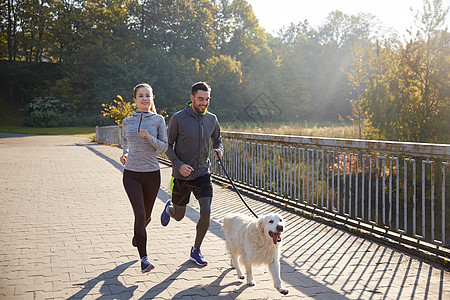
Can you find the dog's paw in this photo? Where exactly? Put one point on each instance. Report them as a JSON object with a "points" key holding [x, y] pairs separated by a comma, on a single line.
{"points": [[241, 276], [283, 290], [251, 282]]}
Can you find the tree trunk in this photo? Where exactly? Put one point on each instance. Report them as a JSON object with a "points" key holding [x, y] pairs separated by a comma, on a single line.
{"points": [[9, 31]]}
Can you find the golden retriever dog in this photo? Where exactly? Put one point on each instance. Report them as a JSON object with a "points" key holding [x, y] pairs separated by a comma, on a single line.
{"points": [[252, 241]]}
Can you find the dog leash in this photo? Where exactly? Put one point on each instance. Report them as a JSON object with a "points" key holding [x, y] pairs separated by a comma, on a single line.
{"points": [[229, 178]]}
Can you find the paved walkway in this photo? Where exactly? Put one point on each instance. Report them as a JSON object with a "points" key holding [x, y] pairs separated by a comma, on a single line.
{"points": [[66, 229]]}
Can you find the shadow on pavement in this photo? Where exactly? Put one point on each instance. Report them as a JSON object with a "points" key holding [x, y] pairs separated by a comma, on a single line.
{"points": [[14, 135], [115, 164], [214, 289], [111, 284], [164, 284]]}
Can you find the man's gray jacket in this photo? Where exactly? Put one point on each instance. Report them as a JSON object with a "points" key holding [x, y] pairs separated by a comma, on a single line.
{"points": [[189, 134]]}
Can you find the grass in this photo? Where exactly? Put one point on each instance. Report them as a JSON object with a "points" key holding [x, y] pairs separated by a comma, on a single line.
{"points": [[11, 121], [332, 131], [324, 130], [12, 116], [83, 131]]}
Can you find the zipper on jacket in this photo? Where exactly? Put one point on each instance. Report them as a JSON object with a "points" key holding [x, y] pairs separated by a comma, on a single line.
{"points": [[139, 126], [199, 144], [201, 140]]}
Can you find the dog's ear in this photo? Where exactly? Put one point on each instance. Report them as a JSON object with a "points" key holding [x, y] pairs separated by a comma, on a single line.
{"points": [[260, 224]]}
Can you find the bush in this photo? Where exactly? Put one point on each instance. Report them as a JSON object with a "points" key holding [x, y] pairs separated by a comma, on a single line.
{"points": [[49, 112], [118, 111]]}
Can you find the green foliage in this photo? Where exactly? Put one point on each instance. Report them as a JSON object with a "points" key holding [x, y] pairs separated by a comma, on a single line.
{"points": [[51, 112], [405, 87], [21, 81], [85, 51], [242, 37], [11, 114], [48, 112], [225, 74], [357, 78]]}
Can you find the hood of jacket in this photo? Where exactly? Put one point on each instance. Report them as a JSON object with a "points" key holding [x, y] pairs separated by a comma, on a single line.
{"points": [[192, 112]]}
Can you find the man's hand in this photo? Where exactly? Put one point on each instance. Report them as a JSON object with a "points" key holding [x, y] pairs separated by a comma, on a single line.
{"points": [[218, 152], [123, 159], [186, 170]]}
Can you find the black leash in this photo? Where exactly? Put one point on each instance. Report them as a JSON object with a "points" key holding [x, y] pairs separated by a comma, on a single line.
{"points": [[239, 194]]}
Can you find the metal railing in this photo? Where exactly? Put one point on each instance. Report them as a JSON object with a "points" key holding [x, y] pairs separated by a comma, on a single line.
{"points": [[393, 188]]}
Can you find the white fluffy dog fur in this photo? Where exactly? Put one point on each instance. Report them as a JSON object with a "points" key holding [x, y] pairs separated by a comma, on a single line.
{"points": [[252, 241]]}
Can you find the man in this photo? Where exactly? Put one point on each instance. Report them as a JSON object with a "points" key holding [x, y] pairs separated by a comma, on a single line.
{"points": [[189, 133]]}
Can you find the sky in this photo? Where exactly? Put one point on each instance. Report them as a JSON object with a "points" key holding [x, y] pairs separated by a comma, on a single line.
{"points": [[396, 14]]}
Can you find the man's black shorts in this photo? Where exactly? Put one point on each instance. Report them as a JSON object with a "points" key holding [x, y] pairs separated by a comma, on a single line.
{"points": [[181, 192]]}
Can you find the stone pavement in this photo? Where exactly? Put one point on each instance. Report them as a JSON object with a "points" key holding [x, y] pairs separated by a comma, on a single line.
{"points": [[66, 229]]}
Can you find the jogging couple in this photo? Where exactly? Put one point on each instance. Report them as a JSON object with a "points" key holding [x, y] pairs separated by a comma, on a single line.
{"points": [[186, 143]]}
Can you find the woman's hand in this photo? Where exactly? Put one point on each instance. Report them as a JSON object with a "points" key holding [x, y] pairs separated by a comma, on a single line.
{"points": [[123, 159], [144, 133]]}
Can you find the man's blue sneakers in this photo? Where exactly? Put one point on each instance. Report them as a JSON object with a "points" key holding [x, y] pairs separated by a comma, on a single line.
{"points": [[197, 256], [165, 217]]}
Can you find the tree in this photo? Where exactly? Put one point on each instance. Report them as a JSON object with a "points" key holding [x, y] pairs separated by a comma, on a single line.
{"points": [[319, 60], [67, 31], [180, 27], [408, 96], [342, 30], [427, 69], [224, 74], [382, 98], [9, 15], [242, 37], [357, 79]]}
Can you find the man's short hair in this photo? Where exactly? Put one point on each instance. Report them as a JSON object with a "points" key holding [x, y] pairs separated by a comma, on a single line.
{"points": [[203, 86]]}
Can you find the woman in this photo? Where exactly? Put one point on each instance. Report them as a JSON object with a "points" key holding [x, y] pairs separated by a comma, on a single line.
{"points": [[144, 133]]}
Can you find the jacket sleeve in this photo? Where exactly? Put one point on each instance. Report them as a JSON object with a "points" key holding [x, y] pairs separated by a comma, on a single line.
{"points": [[217, 138], [172, 135], [124, 138], [160, 142]]}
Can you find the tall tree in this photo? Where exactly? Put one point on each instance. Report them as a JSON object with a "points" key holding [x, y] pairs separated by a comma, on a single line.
{"points": [[428, 68], [408, 95], [179, 26], [342, 30], [9, 20], [67, 30], [357, 79], [224, 74], [242, 36], [33, 38]]}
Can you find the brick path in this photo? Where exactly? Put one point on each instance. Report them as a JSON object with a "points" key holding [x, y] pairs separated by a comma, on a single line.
{"points": [[66, 229]]}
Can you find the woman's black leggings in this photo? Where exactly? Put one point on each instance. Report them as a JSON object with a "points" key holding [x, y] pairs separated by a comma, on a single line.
{"points": [[142, 189]]}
